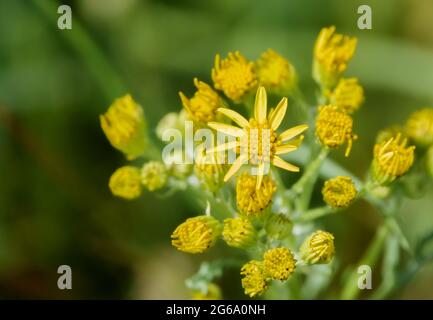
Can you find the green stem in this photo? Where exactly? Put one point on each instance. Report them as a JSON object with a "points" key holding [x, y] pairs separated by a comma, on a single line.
{"points": [[351, 290], [304, 186], [80, 41], [315, 214]]}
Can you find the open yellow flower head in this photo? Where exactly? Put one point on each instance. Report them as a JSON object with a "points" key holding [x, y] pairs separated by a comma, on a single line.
{"points": [[332, 53], [239, 233], [213, 292], [125, 182], [392, 159], [279, 263], [254, 281], [278, 226], [257, 141], [334, 128], [348, 95], [210, 170], [419, 127], [339, 192], [202, 107], [197, 234], [125, 127], [154, 175], [235, 75], [251, 201], [275, 73], [318, 248]]}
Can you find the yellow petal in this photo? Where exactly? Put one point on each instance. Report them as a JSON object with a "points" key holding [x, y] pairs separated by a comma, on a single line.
{"points": [[292, 132], [235, 166], [223, 147], [233, 115], [260, 172], [278, 162], [285, 148], [278, 114], [227, 129], [260, 106]]}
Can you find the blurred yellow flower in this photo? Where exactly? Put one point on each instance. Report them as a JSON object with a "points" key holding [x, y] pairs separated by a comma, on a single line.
{"points": [[348, 95], [201, 108], [339, 192], [275, 73], [257, 141], [332, 52], [197, 234], [279, 263], [419, 127], [239, 232], [250, 200], [254, 281], [154, 175], [125, 182], [125, 127], [235, 75], [318, 248], [392, 159], [213, 292], [334, 128]]}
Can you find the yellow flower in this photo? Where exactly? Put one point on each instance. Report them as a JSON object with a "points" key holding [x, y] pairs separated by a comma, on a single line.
{"points": [[279, 263], [154, 175], [334, 128], [252, 201], [318, 248], [201, 108], [125, 182], [339, 192], [213, 292], [239, 232], [125, 127], [275, 72], [254, 281], [332, 52], [392, 159], [419, 127], [197, 234], [209, 169], [348, 95], [257, 141], [235, 75]]}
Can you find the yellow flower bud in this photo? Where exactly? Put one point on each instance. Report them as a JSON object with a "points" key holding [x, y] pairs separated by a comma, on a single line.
{"points": [[254, 281], [419, 127], [339, 192], [202, 107], [278, 226], [154, 175], [239, 233], [332, 53], [392, 159], [348, 95], [334, 128], [275, 73], [235, 75], [251, 201], [125, 182], [210, 170], [197, 234], [318, 248], [279, 263], [213, 292], [125, 127]]}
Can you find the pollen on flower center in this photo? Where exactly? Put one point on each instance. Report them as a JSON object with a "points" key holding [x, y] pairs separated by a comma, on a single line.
{"points": [[262, 142]]}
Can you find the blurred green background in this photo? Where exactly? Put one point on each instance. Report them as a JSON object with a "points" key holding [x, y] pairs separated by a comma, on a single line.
{"points": [[55, 205]]}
